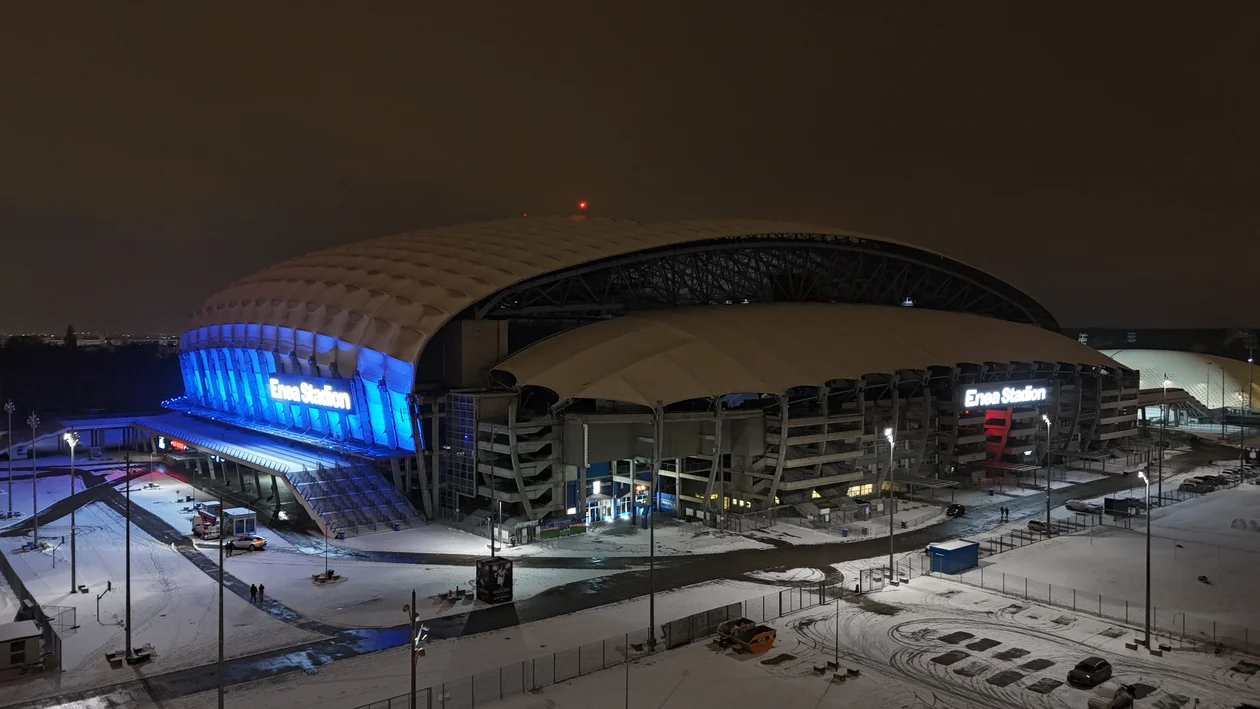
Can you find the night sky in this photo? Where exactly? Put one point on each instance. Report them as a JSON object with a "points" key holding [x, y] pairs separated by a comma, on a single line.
{"points": [[150, 154]]}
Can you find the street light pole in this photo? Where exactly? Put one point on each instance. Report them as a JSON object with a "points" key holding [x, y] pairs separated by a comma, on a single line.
{"points": [[1047, 420], [1163, 426], [222, 687], [9, 408], [1247, 417], [1147, 480], [72, 439], [891, 434], [33, 422]]}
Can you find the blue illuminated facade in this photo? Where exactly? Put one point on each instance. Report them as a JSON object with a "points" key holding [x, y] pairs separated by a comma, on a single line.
{"points": [[358, 395]]}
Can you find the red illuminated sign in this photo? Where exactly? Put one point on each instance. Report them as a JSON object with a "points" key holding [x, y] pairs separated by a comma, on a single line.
{"points": [[179, 445]]}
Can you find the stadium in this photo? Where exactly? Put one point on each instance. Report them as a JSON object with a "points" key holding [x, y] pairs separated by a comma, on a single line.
{"points": [[558, 370]]}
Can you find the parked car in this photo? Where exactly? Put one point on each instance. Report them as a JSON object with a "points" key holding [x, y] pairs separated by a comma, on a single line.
{"points": [[1090, 672], [1200, 488], [1083, 507], [1201, 480], [248, 542], [955, 510], [1039, 526]]}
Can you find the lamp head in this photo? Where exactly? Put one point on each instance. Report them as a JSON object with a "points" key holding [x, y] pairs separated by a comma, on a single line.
{"points": [[1167, 383], [888, 433], [72, 438], [1142, 474], [1046, 419]]}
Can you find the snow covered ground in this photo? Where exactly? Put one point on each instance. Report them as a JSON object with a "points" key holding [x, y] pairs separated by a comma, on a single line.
{"points": [[615, 539], [48, 489], [373, 592], [376, 677], [789, 533], [174, 605], [163, 496], [929, 644], [1189, 539]]}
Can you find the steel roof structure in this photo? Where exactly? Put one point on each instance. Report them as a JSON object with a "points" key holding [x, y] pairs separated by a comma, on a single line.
{"points": [[392, 294]]}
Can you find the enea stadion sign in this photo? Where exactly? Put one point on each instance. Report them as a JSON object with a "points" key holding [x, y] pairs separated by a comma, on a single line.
{"points": [[987, 395], [328, 394]]}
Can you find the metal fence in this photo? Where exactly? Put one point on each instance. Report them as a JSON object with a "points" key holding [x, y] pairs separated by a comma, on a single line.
{"points": [[1167, 623], [29, 606], [528, 675]]}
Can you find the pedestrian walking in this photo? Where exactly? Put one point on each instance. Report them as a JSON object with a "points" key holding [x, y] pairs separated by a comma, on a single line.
{"points": [[253, 593], [261, 591]]}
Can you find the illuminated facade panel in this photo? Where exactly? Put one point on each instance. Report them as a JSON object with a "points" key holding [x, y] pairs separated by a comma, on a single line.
{"points": [[367, 405]]}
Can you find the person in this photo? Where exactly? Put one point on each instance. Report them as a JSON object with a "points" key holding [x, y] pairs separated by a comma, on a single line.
{"points": [[253, 593], [261, 590]]}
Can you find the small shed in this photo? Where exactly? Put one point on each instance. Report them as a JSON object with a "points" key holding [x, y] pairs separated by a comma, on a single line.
{"points": [[21, 643], [240, 520], [954, 556]]}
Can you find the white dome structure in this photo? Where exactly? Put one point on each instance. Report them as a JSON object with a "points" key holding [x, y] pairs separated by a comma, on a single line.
{"points": [[1215, 382]]}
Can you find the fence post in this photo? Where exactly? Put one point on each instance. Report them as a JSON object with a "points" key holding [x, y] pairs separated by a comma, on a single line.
{"points": [[501, 678], [522, 676], [1100, 615], [1025, 588], [533, 668], [1073, 599], [1003, 582], [763, 609], [579, 674], [1126, 610], [780, 605]]}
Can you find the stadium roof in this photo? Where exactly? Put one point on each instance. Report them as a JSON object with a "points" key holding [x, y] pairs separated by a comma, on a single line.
{"points": [[391, 294], [690, 353], [1208, 378]]}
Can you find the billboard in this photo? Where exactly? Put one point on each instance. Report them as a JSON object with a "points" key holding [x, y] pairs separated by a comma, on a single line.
{"points": [[494, 580]]}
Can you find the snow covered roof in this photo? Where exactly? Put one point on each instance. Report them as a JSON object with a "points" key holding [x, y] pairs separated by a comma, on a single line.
{"points": [[18, 631], [1201, 375], [952, 544], [391, 294], [691, 353]]}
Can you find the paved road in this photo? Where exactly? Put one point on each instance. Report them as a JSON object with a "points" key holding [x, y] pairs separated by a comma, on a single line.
{"points": [[670, 573]]}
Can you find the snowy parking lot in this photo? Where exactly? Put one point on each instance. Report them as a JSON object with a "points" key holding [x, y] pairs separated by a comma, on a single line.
{"points": [[932, 643]]}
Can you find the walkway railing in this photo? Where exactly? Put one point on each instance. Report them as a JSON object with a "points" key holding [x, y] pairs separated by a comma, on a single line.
{"points": [[519, 677]]}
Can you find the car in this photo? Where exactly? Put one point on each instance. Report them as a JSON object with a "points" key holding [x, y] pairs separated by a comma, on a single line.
{"points": [[1090, 672], [1039, 526], [1200, 488], [249, 542], [1083, 507], [955, 510]]}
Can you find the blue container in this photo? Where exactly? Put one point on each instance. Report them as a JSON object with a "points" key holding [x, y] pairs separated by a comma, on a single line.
{"points": [[954, 557], [844, 532]]}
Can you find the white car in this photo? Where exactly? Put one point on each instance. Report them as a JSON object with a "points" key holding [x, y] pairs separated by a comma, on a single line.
{"points": [[1083, 507], [248, 542]]}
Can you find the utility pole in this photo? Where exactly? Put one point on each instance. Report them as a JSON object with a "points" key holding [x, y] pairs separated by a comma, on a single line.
{"points": [[1242, 444], [220, 666], [127, 603], [658, 421], [891, 434], [1047, 420], [1163, 426], [72, 439], [33, 422], [9, 408]]}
